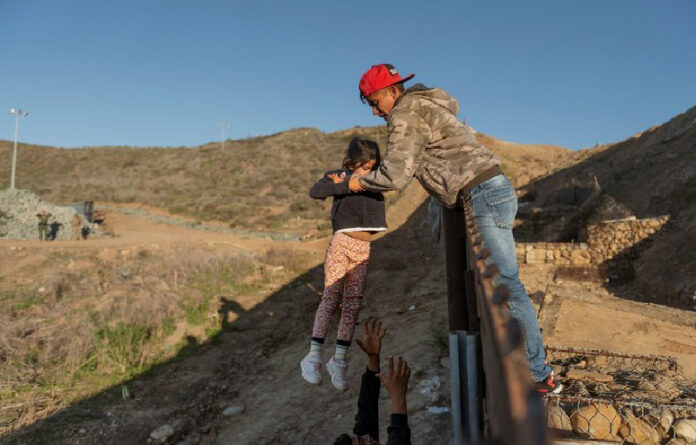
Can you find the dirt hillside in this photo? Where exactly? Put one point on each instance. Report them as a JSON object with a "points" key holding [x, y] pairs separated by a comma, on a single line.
{"points": [[258, 184], [196, 336], [652, 173]]}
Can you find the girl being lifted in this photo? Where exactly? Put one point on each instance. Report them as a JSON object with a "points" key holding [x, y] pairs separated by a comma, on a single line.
{"points": [[355, 217]]}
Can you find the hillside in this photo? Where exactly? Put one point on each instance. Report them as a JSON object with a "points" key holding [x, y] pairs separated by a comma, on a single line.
{"points": [[259, 183], [169, 325], [652, 173], [163, 295]]}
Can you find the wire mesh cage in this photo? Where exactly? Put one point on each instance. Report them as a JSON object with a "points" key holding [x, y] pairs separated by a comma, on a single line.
{"points": [[623, 398]]}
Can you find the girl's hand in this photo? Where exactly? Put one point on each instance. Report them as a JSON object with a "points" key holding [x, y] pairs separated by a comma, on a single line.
{"points": [[336, 179]]}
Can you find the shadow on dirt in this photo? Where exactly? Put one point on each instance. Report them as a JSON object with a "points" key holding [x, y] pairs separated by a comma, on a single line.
{"points": [[649, 175], [190, 391]]}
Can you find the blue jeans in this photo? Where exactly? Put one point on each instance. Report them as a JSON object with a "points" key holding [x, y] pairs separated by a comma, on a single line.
{"points": [[495, 206]]}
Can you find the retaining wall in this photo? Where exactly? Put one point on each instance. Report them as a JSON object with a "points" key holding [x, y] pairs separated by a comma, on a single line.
{"points": [[605, 241]]}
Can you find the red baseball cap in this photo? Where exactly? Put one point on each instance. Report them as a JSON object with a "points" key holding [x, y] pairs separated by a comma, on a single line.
{"points": [[378, 77]]}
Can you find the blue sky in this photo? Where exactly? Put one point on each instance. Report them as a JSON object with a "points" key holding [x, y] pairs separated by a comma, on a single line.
{"points": [[164, 72]]}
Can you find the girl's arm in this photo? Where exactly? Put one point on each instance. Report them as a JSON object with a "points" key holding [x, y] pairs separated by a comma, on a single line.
{"points": [[326, 187]]}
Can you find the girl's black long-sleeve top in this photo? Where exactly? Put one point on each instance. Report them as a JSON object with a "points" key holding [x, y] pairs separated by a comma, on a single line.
{"points": [[351, 212], [367, 418]]}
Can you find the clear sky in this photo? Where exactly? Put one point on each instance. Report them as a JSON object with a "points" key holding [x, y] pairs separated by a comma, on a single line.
{"points": [[165, 72]]}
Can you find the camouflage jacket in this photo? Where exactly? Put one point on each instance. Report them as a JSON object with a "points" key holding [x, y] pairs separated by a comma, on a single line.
{"points": [[426, 140]]}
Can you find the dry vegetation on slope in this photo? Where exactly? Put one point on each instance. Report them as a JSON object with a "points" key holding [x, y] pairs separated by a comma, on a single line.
{"points": [[120, 299], [650, 174], [259, 183]]}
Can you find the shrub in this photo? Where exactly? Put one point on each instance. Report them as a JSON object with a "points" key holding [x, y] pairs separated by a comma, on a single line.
{"points": [[123, 345]]}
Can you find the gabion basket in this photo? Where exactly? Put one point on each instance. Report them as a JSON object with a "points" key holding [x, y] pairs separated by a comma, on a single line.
{"points": [[622, 398]]}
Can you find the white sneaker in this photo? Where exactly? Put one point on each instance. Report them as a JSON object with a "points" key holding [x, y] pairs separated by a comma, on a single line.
{"points": [[310, 366], [337, 370]]}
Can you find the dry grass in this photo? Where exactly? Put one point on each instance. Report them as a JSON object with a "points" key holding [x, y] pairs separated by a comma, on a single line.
{"points": [[257, 183], [260, 183], [112, 315]]}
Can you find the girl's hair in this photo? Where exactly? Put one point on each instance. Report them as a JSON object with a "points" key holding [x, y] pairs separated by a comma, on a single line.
{"points": [[361, 151]]}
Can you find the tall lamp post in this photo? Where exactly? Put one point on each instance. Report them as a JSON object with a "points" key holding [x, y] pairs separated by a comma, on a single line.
{"points": [[18, 113], [223, 126]]}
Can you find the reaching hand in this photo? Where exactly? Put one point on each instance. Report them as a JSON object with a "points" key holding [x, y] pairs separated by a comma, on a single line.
{"points": [[354, 184], [396, 383], [336, 178], [373, 334]]}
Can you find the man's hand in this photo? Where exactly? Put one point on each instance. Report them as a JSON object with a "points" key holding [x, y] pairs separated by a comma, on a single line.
{"points": [[336, 178], [354, 184], [372, 337], [396, 383]]}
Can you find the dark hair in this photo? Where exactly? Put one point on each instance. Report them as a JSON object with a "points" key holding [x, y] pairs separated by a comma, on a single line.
{"points": [[359, 152], [343, 439], [399, 85]]}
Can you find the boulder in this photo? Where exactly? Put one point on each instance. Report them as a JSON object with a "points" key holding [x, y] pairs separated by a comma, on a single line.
{"points": [[596, 421], [661, 420], [557, 419], [637, 431], [686, 430]]}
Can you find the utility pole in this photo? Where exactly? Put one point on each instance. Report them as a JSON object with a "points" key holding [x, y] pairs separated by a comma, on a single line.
{"points": [[18, 113], [223, 126]]}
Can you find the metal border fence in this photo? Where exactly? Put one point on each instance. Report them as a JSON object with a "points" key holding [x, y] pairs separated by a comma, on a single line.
{"points": [[493, 396], [493, 399]]}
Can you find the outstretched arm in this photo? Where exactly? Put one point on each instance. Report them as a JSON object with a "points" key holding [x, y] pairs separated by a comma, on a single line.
{"points": [[330, 185], [396, 383], [367, 418]]}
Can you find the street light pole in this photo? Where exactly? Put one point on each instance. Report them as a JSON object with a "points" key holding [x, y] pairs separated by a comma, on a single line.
{"points": [[17, 113], [223, 126]]}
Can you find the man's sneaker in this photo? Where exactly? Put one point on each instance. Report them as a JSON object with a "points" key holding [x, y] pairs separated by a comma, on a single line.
{"points": [[548, 385], [337, 370], [310, 366]]}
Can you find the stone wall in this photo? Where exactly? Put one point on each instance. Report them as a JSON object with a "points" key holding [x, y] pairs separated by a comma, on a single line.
{"points": [[610, 238], [605, 241], [560, 254]]}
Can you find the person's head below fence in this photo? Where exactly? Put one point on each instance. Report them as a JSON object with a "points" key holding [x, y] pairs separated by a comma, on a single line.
{"points": [[380, 87], [345, 439], [362, 156], [394, 378]]}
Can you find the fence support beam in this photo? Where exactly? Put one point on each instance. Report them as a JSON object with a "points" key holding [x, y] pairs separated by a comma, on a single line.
{"points": [[459, 301], [464, 326], [465, 381]]}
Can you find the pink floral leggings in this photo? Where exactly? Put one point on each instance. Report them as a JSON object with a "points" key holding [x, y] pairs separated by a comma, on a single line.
{"points": [[345, 271]]}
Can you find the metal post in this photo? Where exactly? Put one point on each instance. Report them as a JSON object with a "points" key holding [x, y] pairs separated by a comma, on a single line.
{"points": [[17, 114], [465, 341], [456, 265], [223, 126], [467, 391], [14, 152]]}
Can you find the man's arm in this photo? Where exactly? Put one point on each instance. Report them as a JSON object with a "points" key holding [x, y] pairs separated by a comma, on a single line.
{"points": [[408, 136], [396, 383], [367, 418], [327, 186]]}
